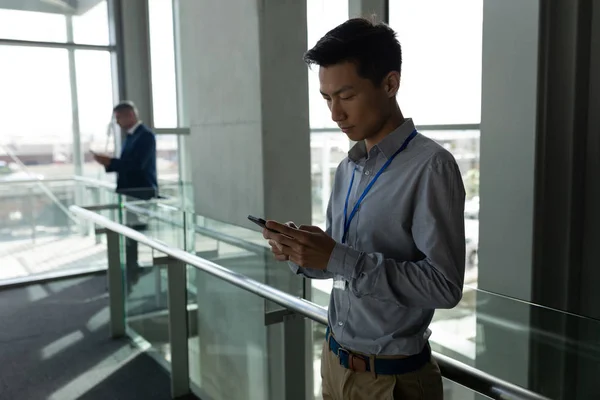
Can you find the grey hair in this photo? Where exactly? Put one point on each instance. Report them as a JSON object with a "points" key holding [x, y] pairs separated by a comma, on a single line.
{"points": [[126, 105]]}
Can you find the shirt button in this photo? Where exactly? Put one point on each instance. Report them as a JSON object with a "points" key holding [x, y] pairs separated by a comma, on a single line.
{"points": [[367, 173], [340, 323]]}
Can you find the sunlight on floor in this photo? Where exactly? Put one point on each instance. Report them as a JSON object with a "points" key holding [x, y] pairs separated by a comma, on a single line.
{"points": [[22, 258], [60, 345], [98, 320], [96, 374]]}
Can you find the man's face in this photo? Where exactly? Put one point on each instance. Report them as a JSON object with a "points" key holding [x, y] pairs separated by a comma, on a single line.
{"points": [[358, 106], [125, 119]]}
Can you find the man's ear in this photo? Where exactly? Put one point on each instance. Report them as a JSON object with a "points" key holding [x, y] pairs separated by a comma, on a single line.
{"points": [[391, 83]]}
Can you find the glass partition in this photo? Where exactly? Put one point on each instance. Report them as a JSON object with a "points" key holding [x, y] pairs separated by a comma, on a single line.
{"points": [[38, 234], [519, 342], [232, 354]]}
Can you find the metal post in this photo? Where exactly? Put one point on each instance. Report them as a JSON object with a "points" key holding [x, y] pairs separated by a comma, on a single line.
{"points": [[96, 200], [178, 328], [116, 287], [295, 357], [32, 221]]}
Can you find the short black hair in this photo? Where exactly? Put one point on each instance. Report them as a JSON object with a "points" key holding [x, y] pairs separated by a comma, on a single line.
{"points": [[125, 106], [373, 47]]}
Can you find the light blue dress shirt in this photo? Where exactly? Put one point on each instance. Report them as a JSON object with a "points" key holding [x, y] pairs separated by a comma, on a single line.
{"points": [[405, 251]]}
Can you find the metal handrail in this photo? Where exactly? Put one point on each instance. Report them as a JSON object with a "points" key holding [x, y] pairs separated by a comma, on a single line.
{"points": [[453, 370], [33, 181], [94, 182]]}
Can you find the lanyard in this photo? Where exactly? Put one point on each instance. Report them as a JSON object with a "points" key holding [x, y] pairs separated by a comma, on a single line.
{"points": [[348, 220]]}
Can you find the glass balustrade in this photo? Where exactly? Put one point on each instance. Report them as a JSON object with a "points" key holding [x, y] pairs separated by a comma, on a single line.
{"points": [[232, 349]]}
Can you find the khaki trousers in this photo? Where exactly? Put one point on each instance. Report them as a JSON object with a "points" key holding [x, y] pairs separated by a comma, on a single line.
{"points": [[340, 383]]}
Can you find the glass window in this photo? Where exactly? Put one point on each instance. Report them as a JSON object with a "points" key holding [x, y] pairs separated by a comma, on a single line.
{"points": [[34, 26], [328, 145], [322, 16], [441, 84], [36, 107], [441, 68], [95, 102], [162, 59], [90, 25], [464, 145], [167, 158]]}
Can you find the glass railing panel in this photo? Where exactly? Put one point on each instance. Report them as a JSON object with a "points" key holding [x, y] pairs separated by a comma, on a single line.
{"points": [[544, 350], [452, 391], [232, 354], [163, 222], [245, 251], [38, 234], [146, 298], [547, 351]]}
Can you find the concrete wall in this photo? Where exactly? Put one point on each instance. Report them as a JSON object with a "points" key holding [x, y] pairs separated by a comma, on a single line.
{"points": [[246, 100], [245, 97]]}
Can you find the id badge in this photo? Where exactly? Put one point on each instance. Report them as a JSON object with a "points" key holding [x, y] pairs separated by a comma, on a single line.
{"points": [[339, 282]]}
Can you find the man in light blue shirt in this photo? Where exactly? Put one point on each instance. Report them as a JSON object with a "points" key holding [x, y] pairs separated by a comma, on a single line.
{"points": [[395, 243]]}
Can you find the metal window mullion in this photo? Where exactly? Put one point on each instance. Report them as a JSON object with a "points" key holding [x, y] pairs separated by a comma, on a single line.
{"points": [[58, 45], [76, 148], [150, 111], [181, 117], [437, 127], [115, 32]]}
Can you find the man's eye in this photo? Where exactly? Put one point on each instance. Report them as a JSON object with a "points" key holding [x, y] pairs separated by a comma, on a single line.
{"points": [[347, 97]]}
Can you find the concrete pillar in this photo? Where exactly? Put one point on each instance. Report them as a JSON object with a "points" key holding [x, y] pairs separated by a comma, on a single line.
{"points": [[245, 97], [129, 31]]}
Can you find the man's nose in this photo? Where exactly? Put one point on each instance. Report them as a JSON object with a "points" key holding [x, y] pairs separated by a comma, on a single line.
{"points": [[337, 112]]}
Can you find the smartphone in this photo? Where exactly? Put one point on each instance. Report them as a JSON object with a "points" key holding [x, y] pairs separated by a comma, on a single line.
{"points": [[260, 222]]}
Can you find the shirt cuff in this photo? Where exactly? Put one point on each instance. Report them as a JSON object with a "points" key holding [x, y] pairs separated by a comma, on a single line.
{"points": [[294, 267], [343, 261]]}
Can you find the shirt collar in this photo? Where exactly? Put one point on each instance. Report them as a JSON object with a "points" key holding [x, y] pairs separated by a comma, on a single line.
{"points": [[388, 146], [132, 130]]}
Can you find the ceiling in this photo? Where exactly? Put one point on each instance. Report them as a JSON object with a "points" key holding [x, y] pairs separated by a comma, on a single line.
{"points": [[65, 7]]}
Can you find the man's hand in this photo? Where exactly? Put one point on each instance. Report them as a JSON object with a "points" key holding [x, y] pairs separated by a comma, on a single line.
{"points": [[102, 159], [276, 247], [307, 246]]}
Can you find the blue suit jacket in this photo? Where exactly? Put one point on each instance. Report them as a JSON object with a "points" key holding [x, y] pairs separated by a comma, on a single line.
{"points": [[136, 168]]}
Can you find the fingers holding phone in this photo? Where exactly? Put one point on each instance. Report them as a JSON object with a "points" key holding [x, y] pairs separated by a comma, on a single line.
{"points": [[276, 249]]}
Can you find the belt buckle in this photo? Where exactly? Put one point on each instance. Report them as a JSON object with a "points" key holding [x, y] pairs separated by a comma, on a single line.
{"points": [[342, 350], [355, 363]]}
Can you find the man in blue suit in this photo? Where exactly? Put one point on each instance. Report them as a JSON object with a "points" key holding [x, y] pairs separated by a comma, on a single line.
{"points": [[136, 168], [136, 173]]}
